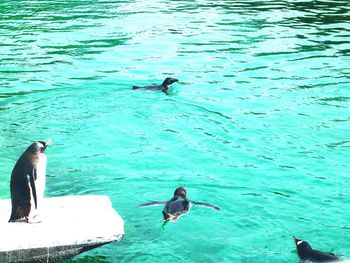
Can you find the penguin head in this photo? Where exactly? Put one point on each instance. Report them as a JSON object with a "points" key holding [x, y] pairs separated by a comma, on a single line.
{"points": [[168, 81], [38, 147], [180, 192], [303, 247]]}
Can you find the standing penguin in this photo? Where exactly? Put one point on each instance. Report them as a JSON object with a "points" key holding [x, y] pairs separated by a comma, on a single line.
{"points": [[306, 253], [177, 206], [28, 183]]}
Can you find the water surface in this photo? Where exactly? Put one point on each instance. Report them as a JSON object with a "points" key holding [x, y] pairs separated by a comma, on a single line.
{"points": [[258, 124]]}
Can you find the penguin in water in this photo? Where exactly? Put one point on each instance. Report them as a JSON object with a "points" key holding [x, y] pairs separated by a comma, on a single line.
{"points": [[28, 183], [306, 253], [164, 87], [177, 206]]}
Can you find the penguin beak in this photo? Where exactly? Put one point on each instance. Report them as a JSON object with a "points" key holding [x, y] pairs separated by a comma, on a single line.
{"points": [[295, 239], [48, 142]]}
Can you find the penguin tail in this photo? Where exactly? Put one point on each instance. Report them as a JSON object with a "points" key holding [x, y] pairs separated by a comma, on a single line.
{"points": [[24, 220], [15, 217]]}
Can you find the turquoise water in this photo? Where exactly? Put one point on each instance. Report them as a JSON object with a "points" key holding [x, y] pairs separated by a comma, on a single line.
{"points": [[258, 124]]}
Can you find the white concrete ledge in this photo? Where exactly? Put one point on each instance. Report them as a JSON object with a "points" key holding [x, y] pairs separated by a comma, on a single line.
{"points": [[70, 225]]}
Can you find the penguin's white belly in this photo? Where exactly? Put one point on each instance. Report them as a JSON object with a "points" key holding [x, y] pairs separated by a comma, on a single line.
{"points": [[39, 186], [41, 177]]}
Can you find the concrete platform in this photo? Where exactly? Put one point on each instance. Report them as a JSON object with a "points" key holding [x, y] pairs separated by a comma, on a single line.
{"points": [[70, 225]]}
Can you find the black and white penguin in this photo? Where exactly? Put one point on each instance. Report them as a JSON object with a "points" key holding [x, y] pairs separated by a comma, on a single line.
{"points": [[177, 206], [28, 183], [306, 253], [164, 87]]}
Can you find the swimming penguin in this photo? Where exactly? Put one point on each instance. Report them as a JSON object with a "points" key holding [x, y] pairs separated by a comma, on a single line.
{"points": [[306, 253], [28, 183], [177, 206], [164, 87]]}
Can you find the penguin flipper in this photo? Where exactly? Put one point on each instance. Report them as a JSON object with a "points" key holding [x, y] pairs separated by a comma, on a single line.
{"points": [[32, 178], [154, 203], [206, 205]]}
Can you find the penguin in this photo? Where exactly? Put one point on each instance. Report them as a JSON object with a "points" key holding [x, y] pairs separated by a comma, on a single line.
{"points": [[306, 253], [28, 183], [164, 87], [177, 206]]}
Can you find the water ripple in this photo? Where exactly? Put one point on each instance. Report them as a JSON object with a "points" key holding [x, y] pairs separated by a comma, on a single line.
{"points": [[258, 123]]}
